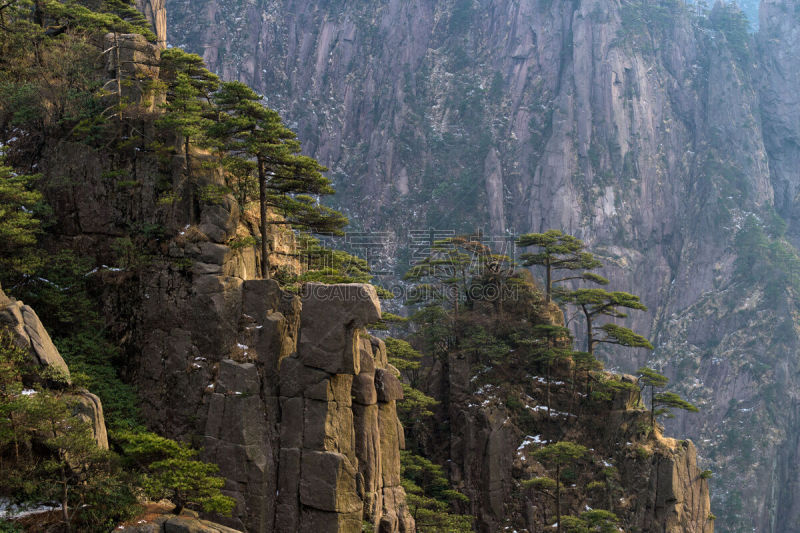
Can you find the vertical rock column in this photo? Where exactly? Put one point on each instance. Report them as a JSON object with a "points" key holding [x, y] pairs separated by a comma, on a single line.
{"points": [[379, 438], [241, 430], [337, 441]]}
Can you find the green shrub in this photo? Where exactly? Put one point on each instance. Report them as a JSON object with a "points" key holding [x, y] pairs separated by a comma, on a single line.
{"points": [[643, 453]]}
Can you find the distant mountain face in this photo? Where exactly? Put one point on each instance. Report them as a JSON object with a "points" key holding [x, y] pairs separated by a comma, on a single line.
{"points": [[750, 7], [671, 144]]}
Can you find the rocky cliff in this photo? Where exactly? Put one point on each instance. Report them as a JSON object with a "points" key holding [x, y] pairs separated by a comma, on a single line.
{"points": [[663, 138], [287, 393]]}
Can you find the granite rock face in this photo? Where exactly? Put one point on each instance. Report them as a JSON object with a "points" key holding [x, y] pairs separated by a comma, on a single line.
{"points": [[281, 390], [132, 61]]}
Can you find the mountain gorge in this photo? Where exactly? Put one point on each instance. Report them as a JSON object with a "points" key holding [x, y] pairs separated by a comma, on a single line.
{"points": [[664, 137]]}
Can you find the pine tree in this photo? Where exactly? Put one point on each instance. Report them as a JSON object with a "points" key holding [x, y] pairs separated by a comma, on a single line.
{"points": [[548, 345], [429, 496], [249, 130], [187, 110], [458, 270], [586, 363], [48, 451], [597, 303], [557, 455], [18, 225], [559, 251], [171, 470], [661, 403], [442, 276], [74, 462], [594, 521]]}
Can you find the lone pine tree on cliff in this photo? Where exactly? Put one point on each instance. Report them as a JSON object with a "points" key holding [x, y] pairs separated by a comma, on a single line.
{"points": [[661, 403], [559, 251], [598, 303], [249, 130]]}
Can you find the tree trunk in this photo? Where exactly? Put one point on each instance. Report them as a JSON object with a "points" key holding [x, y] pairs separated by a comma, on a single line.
{"points": [[14, 432], [38, 15], [549, 285], [589, 338], [548, 388], [262, 201], [558, 497], [65, 499], [118, 59], [652, 409], [189, 181], [574, 388]]}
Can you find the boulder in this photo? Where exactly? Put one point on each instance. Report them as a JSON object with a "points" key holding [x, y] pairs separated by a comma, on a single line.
{"points": [[328, 483], [89, 407], [387, 386], [30, 334], [363, 390], [330, 319]]}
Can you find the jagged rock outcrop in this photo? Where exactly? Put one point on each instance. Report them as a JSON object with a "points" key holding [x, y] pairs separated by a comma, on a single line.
{"points": [[208, 345], [29, 333], [650, 133], [284, 392]]}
